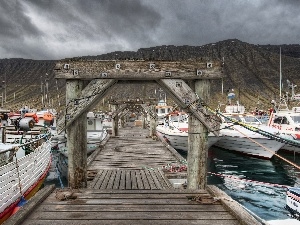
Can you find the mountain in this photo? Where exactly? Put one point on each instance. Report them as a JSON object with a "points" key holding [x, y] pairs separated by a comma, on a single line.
{"points": [[251, 70]]}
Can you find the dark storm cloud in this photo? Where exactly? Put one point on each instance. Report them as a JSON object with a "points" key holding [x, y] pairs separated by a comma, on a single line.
{"points": [[13, 22], [54, 29]]}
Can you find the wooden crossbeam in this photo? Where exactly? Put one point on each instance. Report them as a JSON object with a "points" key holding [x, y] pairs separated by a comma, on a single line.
{"points": [[124, 112], [187, 99], [90, 96], [119, 110], [137, 69], [149, 109]]}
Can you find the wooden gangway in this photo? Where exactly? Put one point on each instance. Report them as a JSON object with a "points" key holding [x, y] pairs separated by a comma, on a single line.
{"points": [[130, 187]]}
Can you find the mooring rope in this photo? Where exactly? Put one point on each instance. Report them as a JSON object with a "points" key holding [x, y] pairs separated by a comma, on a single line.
{"points": [[269, 150], [18, 174]]}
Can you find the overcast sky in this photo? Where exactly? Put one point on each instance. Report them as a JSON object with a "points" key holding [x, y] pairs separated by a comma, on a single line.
{"points": [[56, 29]]}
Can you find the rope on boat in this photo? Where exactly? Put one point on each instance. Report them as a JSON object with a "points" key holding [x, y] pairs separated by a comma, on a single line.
{"points": [[18, 173], [257, 130], [269, 150]]}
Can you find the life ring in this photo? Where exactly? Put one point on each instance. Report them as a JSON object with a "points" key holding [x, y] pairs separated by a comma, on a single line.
{"points": [[48, 117], [33, 115]]}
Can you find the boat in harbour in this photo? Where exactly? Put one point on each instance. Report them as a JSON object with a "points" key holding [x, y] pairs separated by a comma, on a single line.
{"points": [[236, 136], [293, 201], [175, 130], [22, 176], [25, 125], [288, 122]]}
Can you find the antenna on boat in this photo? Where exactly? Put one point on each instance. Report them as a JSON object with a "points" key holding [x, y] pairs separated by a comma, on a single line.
{"points": [[292, 86], [58, 92], [222, 78]]}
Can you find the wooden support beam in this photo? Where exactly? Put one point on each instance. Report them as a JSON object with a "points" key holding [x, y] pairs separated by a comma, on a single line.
{"points": [[153, 122], [188, 100], [119, 109], [87, 99], [198, 143], [149, 109], [144, 120], [76, 140], [137, 69], [124, 113]]}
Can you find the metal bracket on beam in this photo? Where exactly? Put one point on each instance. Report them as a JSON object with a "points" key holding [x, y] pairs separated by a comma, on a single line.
{"points": [[68, 117], [152, 66], [66, 66], [104, 75], [75, 72], [168, 74]]}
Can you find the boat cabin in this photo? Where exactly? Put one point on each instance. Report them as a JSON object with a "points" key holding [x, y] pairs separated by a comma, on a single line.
{"points": [[162, 109], [287, 120]]}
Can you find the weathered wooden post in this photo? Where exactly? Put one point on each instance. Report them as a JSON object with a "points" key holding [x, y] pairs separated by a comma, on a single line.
{"points": [[122, 121], [152, 123], [143, 120], [197, 141], [115, 121], [3, 134], [77, 140]]}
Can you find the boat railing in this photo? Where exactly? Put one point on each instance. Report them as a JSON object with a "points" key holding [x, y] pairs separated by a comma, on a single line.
{"points": [[28, 142]]}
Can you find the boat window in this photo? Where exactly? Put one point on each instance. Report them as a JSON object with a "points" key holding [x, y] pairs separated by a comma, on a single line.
{"points": [[182, 118], [296, 119], [281, 120], [174, 118], [162, 111], [251, 119]]}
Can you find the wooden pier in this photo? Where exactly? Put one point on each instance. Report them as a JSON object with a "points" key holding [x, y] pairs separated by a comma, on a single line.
{"points": [[128, 186]]}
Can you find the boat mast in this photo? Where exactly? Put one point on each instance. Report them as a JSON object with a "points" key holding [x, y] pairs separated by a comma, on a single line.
{"points": [[280, 75]]}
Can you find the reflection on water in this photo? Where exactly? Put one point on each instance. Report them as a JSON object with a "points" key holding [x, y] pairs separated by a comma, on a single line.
{"points": [[264, 200]]}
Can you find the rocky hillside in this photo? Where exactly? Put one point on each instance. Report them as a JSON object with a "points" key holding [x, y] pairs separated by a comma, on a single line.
{"points": [[251, 70]]}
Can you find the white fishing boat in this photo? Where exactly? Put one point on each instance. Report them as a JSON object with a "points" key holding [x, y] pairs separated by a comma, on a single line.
{"points": [[239, 138], [293, 201], [288, 122], [175, 130], [284, 119], [95, 134], [21, 177]]}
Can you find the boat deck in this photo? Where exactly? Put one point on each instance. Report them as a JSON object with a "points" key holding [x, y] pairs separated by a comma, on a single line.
{"points": [[128, 186]]}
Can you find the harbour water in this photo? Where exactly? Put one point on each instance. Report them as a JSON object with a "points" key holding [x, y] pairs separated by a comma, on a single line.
{"points": [[263, 199]]}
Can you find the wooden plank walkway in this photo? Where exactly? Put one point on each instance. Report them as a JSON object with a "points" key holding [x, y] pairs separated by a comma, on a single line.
{"points": [[133, 149], [135, 207], [130, 180], [130, 188]]}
